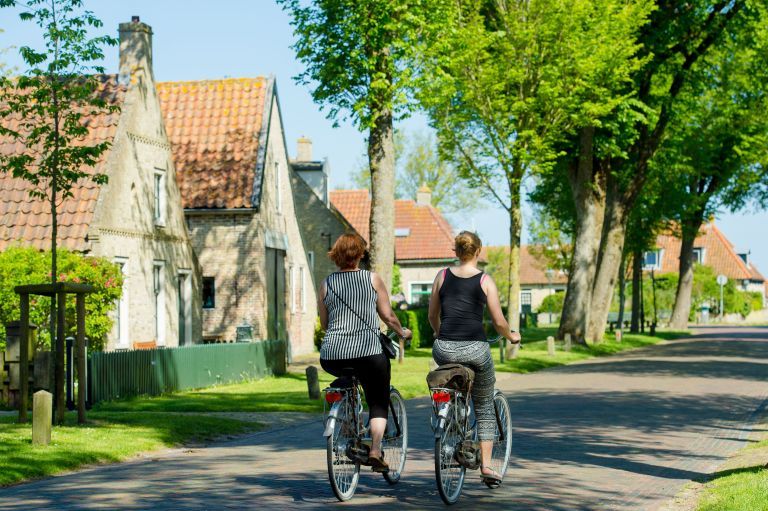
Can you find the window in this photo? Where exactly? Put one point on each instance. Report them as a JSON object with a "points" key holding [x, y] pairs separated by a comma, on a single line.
{"points": [[420, 292], [652, 260], [209, 293], [525, 301], [158, 284], [302, 290], [121, 308], [311, 260], [278, 189], [402, 232], [185, 307], [159, 197], [698, 255], [292, 275]]}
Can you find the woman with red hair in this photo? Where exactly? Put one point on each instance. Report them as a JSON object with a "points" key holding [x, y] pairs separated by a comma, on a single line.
{"points": [[350, 303]]}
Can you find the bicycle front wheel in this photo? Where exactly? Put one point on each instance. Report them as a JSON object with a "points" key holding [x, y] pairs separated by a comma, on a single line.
{"points": [[449, 474], [343, 472], [502, 440], [395, 443]]}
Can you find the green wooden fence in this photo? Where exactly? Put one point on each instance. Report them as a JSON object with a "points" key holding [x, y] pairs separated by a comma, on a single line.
{"points": [[120, 374]]}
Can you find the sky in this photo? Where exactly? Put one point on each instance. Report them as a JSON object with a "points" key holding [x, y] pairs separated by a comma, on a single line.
{"points": [[200, 39]]}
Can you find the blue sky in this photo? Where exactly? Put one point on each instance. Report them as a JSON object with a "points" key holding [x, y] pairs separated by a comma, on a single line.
{"points": [[200, 39]]}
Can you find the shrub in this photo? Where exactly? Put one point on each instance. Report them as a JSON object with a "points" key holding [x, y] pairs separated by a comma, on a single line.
{"points": [[552, 303], [26, 265], [417, 320]]}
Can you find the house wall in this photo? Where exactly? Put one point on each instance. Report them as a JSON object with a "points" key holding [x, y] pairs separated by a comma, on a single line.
{"points": [[231, 247], [124, 227], [414, 272]]}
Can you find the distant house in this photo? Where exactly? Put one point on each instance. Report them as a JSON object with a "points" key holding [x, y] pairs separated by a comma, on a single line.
{"points": [[237, 191], [537, 279], [135, 219], [423, 237], [711, 248]]}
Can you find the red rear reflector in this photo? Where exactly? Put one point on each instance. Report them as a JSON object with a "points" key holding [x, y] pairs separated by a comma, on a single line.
{"points": [[332, 397], [441, 396]]}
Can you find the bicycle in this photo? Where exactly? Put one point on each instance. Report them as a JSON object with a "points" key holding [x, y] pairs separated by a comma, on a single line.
{"points": [[456, 445], [348, 440]]}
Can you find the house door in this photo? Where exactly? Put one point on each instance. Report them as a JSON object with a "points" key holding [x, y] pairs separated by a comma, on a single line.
{"points": [[275, 294]]}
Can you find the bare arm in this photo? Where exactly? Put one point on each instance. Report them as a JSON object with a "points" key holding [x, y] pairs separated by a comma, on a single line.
{"points": [[384, 308], [434, 303], [494, 308], [321, 309]]}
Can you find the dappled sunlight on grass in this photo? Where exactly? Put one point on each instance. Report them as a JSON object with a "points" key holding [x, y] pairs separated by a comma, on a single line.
{"points": [[106, 438]]}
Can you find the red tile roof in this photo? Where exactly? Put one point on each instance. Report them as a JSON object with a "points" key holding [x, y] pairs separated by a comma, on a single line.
{"points": [[28, 220], [719, 254], [430, 236], [532, 267], [215, 128]]}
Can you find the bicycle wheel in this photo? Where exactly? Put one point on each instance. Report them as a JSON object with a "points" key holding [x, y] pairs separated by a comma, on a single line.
{"points": [[449, 474], [395, 444], [343, 473], [502, 440]]}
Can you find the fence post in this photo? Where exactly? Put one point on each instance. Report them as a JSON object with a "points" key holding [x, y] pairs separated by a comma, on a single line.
{"points": [[81, 365], [313, 383], [618, 335], [42, 410], [551, 346], [24, 358], [70, 373]]}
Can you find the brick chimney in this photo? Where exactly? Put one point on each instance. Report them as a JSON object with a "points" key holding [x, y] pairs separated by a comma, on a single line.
{"points": [[424, 196], [304, 149], [135, 51]]}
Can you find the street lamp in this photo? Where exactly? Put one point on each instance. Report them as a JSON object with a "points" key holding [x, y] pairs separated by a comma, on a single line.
{"points": [[722, 280]]}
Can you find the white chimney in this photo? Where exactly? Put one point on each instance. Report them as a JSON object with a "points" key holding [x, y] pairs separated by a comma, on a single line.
{"points": [[424, 196], [304, 149], [135, 51]]}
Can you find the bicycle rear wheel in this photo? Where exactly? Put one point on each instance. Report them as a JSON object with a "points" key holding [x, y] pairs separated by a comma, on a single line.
{"points": [[343, 472], [449, 474], [502, 440], [395, 443]]}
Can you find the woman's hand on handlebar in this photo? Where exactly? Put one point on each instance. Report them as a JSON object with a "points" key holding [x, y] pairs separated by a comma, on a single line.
{"points": [[407, 334], [515, 338]]}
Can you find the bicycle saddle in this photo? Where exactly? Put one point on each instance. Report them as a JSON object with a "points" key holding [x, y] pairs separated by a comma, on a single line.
{"points": [[345, 381]]}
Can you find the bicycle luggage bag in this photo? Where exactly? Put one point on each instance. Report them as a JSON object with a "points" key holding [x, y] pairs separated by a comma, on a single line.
{"points": [[451, 376]]}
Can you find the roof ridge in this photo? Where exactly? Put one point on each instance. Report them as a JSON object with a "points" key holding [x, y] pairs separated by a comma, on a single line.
{"points": [[214, 80], [730, 249], [439, 218]]}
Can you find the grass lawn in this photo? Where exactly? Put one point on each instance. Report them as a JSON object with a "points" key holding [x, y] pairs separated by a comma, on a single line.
{"points": [[534, 356], [107, 438], [289, 393], [740, 489]]}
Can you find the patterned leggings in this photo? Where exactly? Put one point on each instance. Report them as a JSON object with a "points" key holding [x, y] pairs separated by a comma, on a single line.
{"points": [[476, 355]]}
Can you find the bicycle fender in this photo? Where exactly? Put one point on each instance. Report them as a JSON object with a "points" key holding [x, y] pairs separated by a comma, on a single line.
{"points": [[442, 418], [330, 421]]}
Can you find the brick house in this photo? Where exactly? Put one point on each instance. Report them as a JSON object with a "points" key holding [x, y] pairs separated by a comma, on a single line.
{"points": [[135, 219], [711, 248], [237, 189], [423, 237]]}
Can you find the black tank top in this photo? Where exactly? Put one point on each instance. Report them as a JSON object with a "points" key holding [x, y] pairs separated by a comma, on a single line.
{"points": [[462, 301]]}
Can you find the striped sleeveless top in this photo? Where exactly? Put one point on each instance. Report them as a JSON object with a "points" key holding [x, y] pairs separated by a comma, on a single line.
{"points": [[348, 336]]}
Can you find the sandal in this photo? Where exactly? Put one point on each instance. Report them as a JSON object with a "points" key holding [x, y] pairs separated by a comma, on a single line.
{"points": [[493, 478], [378, 464]]}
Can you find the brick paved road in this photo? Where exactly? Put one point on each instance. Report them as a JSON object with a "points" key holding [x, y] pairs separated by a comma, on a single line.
{"points": [[619, 433]]}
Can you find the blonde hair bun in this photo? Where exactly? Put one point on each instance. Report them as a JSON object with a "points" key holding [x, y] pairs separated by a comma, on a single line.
{"points": [[467, 245]]}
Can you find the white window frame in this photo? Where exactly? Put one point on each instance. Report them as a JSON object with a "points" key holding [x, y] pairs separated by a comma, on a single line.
{"points": [[187, 274], [278, 188], [292, 274], [659, 254], [121, 329], [302, 289], [158, 291], [701, 251], [416, 282], [159, 197]]}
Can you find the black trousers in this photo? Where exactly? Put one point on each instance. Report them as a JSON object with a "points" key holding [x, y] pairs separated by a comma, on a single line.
{"points": [[374, 375]]}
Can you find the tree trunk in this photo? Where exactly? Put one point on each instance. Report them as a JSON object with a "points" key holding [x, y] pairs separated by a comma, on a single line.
{"points": [[622, 290], [682, 309], [588, 190], [612, 247], [513, 290], [637, 297], [381, 157]]}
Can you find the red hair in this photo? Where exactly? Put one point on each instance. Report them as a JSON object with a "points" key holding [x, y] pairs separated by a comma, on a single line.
{"points": [[348, 250]]}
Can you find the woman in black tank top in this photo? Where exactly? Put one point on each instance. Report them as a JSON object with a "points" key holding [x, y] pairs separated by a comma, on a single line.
{"points": [[459, 297]]}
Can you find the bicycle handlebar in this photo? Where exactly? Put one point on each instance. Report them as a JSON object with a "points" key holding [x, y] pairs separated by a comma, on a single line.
{"points": [[498, 338]]}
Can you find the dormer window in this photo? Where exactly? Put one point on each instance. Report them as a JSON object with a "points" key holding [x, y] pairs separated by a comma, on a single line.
{"points": [[402, 232], [159, 197]]}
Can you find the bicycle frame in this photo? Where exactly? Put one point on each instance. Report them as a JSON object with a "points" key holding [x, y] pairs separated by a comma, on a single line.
{"points": [[450, 410], [333, 413]]}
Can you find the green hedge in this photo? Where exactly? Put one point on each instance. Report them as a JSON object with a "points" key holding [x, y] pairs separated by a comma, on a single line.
{"points": [[417, 320]]}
